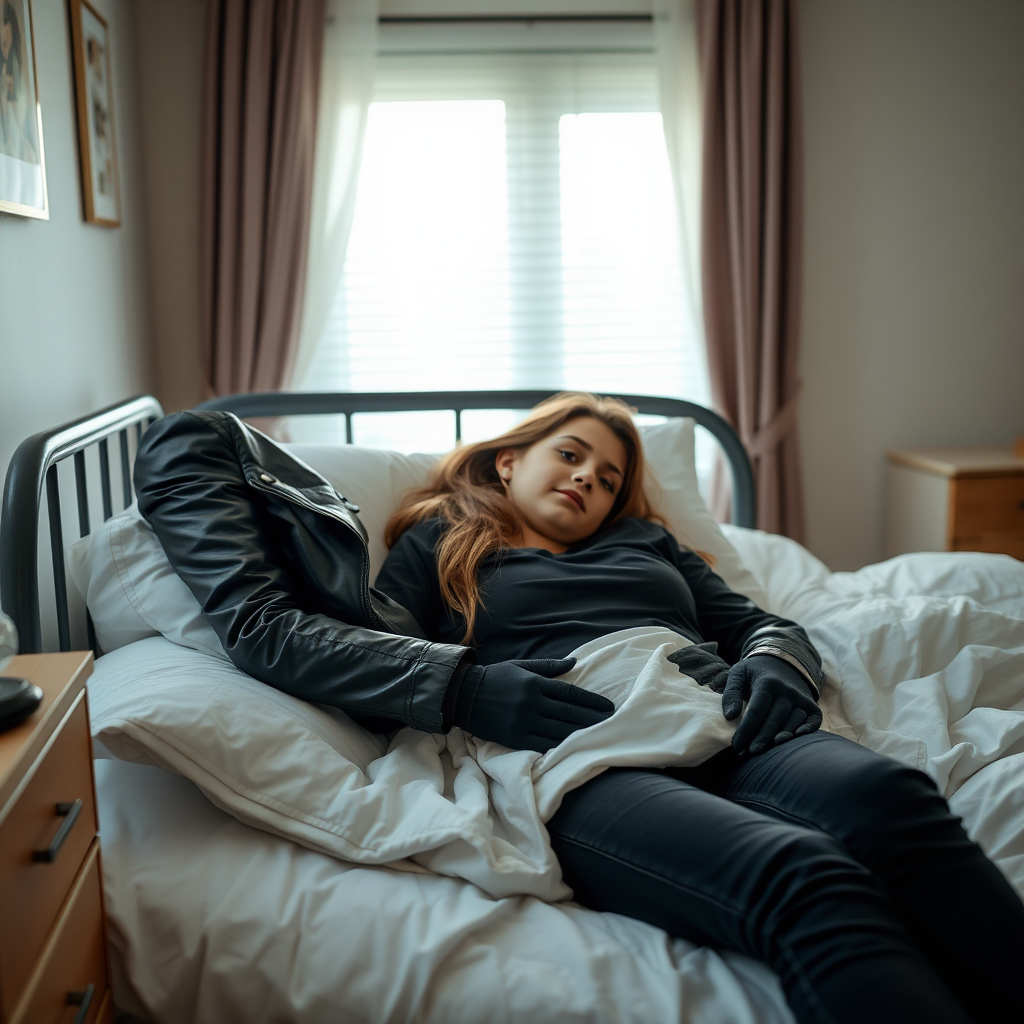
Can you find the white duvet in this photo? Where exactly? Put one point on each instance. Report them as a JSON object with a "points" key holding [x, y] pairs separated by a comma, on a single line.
{"points": [[451, 804], [925, 659]]}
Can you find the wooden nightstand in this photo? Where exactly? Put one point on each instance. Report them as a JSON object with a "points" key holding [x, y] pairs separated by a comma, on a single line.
{"points": [[956, 499], [53, 944]]}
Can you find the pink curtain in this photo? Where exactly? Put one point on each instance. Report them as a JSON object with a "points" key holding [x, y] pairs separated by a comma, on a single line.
{"points": [[259, 125], [750, 228]]}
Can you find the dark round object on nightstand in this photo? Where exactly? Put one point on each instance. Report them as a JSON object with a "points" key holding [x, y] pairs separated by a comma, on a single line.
{"points": [[18, 699]]}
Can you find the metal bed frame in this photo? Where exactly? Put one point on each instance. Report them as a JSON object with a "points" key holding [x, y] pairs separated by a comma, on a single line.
{"points": [[34, 469]]}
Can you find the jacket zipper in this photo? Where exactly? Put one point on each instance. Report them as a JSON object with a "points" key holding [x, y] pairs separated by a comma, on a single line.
{"points": [[296, 498]]}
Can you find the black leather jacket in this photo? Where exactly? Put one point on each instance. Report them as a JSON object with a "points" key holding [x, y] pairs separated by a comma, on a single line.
{"points": [[277, 559]]}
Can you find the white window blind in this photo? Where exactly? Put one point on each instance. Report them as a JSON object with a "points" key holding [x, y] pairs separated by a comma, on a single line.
{"points": [[514, 228]]}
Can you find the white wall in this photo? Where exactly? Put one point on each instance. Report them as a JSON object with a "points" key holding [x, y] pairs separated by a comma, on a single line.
{"points": [[170, 39], [913, 327], [74, 308]]}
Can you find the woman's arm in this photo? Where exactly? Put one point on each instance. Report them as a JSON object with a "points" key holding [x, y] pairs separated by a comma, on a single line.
{"points": [[282, 585], [740, 627], [409, 575], [776, 668]]}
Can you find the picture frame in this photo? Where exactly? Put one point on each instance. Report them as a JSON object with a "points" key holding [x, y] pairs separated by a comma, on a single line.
{"points": [[94, 93], [22, 161]]}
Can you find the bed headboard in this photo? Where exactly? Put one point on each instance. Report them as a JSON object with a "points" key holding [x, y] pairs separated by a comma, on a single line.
{"points": [[40, 463], [299, 403]]}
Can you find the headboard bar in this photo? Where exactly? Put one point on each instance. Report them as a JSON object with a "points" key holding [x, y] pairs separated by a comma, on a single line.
{"points": [[304, 403], [82, 493], [60, 584], [108, 504], [33, 467], [126, 476]]}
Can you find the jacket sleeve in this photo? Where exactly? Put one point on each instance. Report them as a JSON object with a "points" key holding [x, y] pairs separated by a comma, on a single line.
{"points": [[740, 627], [229, 546]]}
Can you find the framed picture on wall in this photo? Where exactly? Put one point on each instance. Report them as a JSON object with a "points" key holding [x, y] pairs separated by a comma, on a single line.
{"points": [[22, 169], [94, 89]]}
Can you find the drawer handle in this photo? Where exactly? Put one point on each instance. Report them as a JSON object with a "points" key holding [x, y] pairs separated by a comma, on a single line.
{"points": [[82, 1001], [69, 812]]}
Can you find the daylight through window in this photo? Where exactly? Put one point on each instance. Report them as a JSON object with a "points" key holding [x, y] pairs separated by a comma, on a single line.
{"points": [[514, 228]]}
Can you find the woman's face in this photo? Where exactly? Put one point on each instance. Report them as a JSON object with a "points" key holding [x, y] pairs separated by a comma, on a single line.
{"points": [[565, 485]]}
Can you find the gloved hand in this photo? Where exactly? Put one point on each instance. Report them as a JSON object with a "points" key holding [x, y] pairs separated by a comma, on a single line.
{"points": [[702, 664], [779, 703], [520, 705]]}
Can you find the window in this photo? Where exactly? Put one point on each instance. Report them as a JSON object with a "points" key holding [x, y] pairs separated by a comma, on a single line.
{"points": [[514, 228]]}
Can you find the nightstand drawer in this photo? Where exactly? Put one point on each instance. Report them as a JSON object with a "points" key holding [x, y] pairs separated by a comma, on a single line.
{"points": [[31, 889], [73, 969], [987, 506]]}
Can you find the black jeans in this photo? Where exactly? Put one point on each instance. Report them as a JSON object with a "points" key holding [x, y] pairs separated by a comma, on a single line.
{"points": [[841, 869]]}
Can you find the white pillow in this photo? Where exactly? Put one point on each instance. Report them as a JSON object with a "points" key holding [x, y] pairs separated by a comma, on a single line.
{"points": [[132, 591], [371, 477], [791, 576], [272, 760], [376, 481], [674, 491]]}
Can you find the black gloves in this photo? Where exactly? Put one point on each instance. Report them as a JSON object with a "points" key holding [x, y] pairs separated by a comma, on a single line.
{"points": [[780, 706], [702, 664], [779, 703], [520, 705]]}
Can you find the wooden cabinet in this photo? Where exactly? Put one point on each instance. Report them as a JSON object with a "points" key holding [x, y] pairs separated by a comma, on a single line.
{"points": [[53, 949], [956, 499]]}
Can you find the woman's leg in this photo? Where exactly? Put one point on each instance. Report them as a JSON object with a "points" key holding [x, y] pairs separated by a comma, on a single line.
{"points": [[651, 846], [954, 901]]}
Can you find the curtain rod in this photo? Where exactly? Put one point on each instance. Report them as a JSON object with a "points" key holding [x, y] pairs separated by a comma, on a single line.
{"points": [[518, 19]]}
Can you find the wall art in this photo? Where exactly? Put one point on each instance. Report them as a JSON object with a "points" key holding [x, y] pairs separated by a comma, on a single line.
{"points": [[97, 142], [22, 169]]}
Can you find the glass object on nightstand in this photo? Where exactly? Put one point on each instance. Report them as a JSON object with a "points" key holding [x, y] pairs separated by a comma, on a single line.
{"points": [[18, 697], [8, 641]]}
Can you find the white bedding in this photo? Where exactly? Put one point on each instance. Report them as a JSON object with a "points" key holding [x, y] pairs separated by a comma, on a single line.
{"points": [[451, 803], [930, 651], [215, 922]]}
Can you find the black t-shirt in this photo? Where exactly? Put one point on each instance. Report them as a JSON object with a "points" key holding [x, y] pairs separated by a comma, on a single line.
{"points": [[536, 604]]}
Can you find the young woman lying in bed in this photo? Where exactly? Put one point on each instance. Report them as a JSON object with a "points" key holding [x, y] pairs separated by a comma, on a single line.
{"points": [[840, 868]]}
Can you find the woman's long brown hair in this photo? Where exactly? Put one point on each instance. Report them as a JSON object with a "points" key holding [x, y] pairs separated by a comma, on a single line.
{"points": [[465, 489]]}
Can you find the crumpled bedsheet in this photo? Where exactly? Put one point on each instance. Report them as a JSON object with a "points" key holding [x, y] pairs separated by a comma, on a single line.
{"points": [[451, 804], [662, 717], [924, 657], [214, 922], [936, 681]]}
